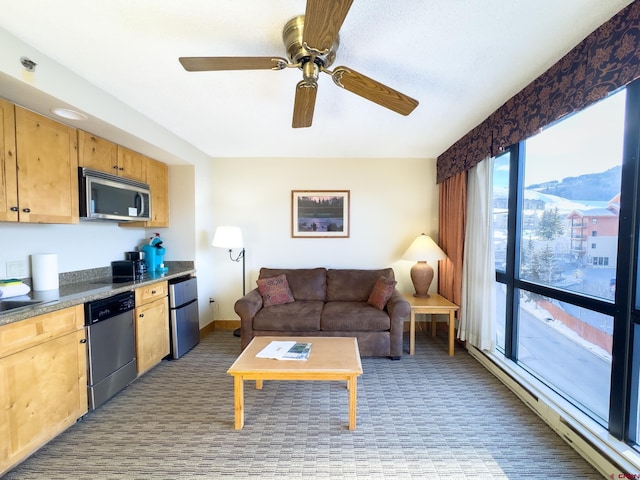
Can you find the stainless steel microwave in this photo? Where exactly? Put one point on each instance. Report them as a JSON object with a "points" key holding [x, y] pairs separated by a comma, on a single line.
{"points": [[107, 197]]}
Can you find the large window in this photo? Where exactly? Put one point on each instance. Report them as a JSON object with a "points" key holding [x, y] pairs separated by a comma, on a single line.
{"points": [[556, 230]]}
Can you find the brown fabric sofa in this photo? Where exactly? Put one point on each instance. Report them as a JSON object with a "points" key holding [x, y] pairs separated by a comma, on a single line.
{"points": [[328, 302]]}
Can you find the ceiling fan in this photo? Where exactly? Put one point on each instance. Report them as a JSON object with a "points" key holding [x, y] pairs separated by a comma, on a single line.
{"points": [[311, 42]]}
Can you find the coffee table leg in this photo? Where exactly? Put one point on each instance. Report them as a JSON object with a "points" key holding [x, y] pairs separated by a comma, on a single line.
{"points": [[353, 385], [238, 394]]}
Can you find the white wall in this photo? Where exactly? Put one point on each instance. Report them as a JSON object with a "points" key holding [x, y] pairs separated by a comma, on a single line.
{"points": [[79, 247], [392, 202]]}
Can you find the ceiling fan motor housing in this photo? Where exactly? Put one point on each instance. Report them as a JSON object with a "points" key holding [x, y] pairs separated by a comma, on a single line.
{"points": [[297, 52]]}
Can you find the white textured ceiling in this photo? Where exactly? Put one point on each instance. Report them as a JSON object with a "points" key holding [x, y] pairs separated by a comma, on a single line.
{"points": [[461, 59]]}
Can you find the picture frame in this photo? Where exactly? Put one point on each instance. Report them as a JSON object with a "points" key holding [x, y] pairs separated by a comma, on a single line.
{"points": [[320, 213]]}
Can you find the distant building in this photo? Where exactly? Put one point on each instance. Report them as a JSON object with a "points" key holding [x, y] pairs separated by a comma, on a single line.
{"points": [[594, 234]]}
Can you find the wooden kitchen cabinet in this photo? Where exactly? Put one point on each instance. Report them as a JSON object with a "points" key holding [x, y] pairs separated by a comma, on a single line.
{"points": [[97, 153], [47, 169], [157, 177], [131, 164], [43, 381], [158, 180], [152, 325], [8, 166], [105, 156]]}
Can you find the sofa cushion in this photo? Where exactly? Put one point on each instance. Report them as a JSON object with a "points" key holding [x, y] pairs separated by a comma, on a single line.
{"points": [[305, 283], [353, 317], [346, 285], [275, 290], [299, 316], [381, 292]]}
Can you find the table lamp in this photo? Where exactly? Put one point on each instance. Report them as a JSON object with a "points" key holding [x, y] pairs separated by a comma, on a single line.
{"points": [[422, 250]]}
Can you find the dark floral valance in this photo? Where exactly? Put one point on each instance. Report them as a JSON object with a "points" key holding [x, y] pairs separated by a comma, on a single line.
{"points": [[603, 62]]}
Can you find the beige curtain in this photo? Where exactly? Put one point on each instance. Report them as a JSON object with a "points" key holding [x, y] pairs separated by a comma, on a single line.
{"points": [[477, 323], [451, 221]]}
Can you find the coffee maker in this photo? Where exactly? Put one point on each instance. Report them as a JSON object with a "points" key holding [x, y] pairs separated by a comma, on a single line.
{"points": [[130, 269], [139, 265]]}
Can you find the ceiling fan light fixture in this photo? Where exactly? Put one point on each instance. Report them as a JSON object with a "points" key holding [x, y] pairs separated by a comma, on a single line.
{"points": [[68, 114], [297, 49], [310, 71]]}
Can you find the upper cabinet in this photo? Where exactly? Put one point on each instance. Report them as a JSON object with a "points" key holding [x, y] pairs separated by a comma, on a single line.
{"points": [[47, 170], [102, 155], [131, 164], [157, 177], [39, 161], [158, 180], [99, 154], [8, 167]]}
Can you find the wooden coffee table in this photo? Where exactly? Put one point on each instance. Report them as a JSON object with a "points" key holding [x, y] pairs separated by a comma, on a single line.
{"points": [[331, 358]]}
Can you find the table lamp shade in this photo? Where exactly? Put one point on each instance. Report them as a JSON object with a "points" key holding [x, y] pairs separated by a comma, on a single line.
{"points": [[422, 250], [227, 237]]}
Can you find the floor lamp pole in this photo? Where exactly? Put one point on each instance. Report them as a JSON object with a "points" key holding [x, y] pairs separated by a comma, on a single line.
{"points": [[238, 332], [244, 283]]}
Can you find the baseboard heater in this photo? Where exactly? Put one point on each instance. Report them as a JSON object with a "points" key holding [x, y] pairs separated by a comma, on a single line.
{"points": [[593, 447]]}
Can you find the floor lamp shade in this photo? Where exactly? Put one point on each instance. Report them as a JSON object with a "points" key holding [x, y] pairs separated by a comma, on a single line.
{"points": [[230, 238], [227, 237], [422, 250]]}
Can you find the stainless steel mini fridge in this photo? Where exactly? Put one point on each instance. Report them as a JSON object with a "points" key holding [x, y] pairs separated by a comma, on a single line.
{"points": [[184, 323]]}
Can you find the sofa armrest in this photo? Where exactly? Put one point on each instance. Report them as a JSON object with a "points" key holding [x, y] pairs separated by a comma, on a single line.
{"points": [[398, 309], [246, 308]]}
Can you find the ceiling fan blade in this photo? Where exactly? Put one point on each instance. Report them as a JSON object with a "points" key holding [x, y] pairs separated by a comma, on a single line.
{"points": [[322, 22], [304, 104], [205, 64], [374, 91]]}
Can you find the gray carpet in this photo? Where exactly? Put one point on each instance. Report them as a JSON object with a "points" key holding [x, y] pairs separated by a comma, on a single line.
{"points": [[428, 416]]}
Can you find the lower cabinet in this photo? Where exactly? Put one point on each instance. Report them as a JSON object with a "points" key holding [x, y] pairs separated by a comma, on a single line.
{"points": [[152, 325], [43, 381]]}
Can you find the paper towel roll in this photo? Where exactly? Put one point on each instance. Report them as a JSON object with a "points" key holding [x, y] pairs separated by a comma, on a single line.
{"points": [[44, 271]]}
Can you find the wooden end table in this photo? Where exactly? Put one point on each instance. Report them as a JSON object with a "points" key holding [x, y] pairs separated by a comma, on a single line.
{"points": [[434, 304], [331, 358]]}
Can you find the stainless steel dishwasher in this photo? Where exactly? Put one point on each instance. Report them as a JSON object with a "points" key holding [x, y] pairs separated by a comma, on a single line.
{"points": [[111, 352]]}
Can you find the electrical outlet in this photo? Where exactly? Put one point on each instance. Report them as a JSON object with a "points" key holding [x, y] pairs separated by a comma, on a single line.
{"points": [[17, 269]]}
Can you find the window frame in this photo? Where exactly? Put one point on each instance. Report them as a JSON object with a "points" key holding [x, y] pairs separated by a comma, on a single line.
{"points": [[624, 402]]}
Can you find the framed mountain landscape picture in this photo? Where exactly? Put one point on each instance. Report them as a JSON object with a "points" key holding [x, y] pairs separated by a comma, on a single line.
{"points": [[320, 213]]}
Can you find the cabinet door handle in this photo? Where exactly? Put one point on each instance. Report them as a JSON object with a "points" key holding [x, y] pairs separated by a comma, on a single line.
{"points": [[115, 167], [84, 340], [26, 210], [141, 315], [153, 292], [14, 209]]}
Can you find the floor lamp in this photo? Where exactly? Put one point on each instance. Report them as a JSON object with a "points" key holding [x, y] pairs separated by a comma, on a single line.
{"points": [[230, 238]]}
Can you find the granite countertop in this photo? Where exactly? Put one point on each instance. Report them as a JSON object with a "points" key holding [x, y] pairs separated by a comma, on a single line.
{"points": [[89, 288]]}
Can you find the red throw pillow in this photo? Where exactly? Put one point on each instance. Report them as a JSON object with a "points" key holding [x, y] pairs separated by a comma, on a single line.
{"points": [[381, 292], [275, 290]]}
